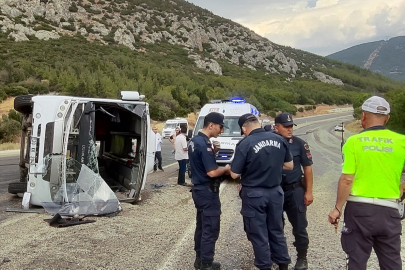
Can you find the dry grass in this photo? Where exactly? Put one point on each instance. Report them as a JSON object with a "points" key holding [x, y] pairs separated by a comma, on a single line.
{"points": [[354, 126], [320, 109], [6, 105], [9, 146]]}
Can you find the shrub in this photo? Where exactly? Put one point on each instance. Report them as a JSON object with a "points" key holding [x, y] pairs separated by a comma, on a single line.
{"points": [[3, 94], [300, 109], [17, 90], [69, 27], [14, 115], [9, 129], [272, 114], [73, 7], [44, 26]]}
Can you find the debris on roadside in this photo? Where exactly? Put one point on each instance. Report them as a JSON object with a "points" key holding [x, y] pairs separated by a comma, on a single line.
{"points": [[88, 195], [58, 221], [20, 210], [156, 186]]}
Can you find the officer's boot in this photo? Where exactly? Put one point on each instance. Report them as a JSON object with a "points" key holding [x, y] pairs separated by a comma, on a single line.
{"points": [[207, 266], [283, 266], [214, 265], [302, 263]]}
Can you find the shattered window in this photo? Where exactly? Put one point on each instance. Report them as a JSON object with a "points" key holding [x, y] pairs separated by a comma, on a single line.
{"points": [[78, 189], [82, 192], [139, 110]]}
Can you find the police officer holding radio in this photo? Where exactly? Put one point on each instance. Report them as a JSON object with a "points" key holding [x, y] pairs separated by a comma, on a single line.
{"points": [[259, 160], [205, 191], [370, 183], [297, 193]]}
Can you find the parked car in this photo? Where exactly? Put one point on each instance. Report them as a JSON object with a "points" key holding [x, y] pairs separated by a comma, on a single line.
{"points": [[339, 127]]}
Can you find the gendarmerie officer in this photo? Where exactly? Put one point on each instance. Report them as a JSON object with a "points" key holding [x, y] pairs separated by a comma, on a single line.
{"points": [[297, 196], [205, 172], [259, 160], [371, 185]]}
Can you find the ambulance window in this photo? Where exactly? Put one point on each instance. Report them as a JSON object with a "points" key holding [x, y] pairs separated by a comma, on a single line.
{"points": [[199, 125], [170, 126], [233, 129]]}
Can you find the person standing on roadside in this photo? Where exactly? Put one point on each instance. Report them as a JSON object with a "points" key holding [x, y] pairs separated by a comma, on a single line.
{"points": [[181, 155], [259, 160], [205, 190], [297, 186], [158, 153], [370, 184], [172, 138]]}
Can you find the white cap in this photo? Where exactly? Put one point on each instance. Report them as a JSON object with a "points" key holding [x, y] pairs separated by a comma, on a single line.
{"points": [[376, 104]]}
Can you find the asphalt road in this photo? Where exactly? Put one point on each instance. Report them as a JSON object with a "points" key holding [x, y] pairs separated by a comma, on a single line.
{"points": [[158, 232], [9, 171]]}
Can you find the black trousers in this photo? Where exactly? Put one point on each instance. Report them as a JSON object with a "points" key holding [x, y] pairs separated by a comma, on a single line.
{"points": [[262, 211], [296, 212], [158, 161], [181, 179], [207, 228], [369, 226]]}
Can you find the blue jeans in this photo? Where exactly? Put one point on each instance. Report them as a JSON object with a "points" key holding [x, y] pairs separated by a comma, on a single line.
{"points": [[181, 179]]}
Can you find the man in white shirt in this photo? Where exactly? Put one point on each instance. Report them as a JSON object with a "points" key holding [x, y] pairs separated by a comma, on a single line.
{"points": [[181, 155], [158, 153], [172, 138]]}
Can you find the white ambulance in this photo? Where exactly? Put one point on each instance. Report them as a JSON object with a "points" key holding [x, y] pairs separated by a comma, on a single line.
{"points": [[232, 109], [79, 151], [171, 125]]}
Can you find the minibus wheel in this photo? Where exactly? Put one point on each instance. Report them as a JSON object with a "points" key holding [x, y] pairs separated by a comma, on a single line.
{"points": [[17, 187], [22, 104]]}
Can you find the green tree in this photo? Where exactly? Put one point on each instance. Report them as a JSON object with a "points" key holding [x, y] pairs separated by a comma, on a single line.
{"points": [[396, 98], [9, 129]]}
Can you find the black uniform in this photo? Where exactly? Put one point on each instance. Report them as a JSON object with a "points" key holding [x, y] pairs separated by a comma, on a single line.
{"points": [[294, 192], [202, 160], [259, 158]]}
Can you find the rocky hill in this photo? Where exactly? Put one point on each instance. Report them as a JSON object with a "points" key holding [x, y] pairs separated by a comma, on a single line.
{"points": [[206, 37], [386, 57], [178, 55]]}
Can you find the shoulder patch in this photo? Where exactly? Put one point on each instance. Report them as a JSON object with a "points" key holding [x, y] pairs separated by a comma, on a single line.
{"points": [[306, 146]]}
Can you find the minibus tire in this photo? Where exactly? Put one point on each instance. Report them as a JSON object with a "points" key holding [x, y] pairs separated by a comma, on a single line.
{"points": [[22, 104], [17, 187]]}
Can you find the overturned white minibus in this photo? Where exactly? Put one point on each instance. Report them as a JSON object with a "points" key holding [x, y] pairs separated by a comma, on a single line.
{"points": [[80, 154]]}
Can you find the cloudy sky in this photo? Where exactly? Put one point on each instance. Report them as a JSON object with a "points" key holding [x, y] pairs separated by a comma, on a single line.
{"points": [[322, 27]]}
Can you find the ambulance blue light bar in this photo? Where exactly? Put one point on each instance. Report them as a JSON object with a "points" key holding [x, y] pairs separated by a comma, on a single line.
{"points": [[237, 100]]}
